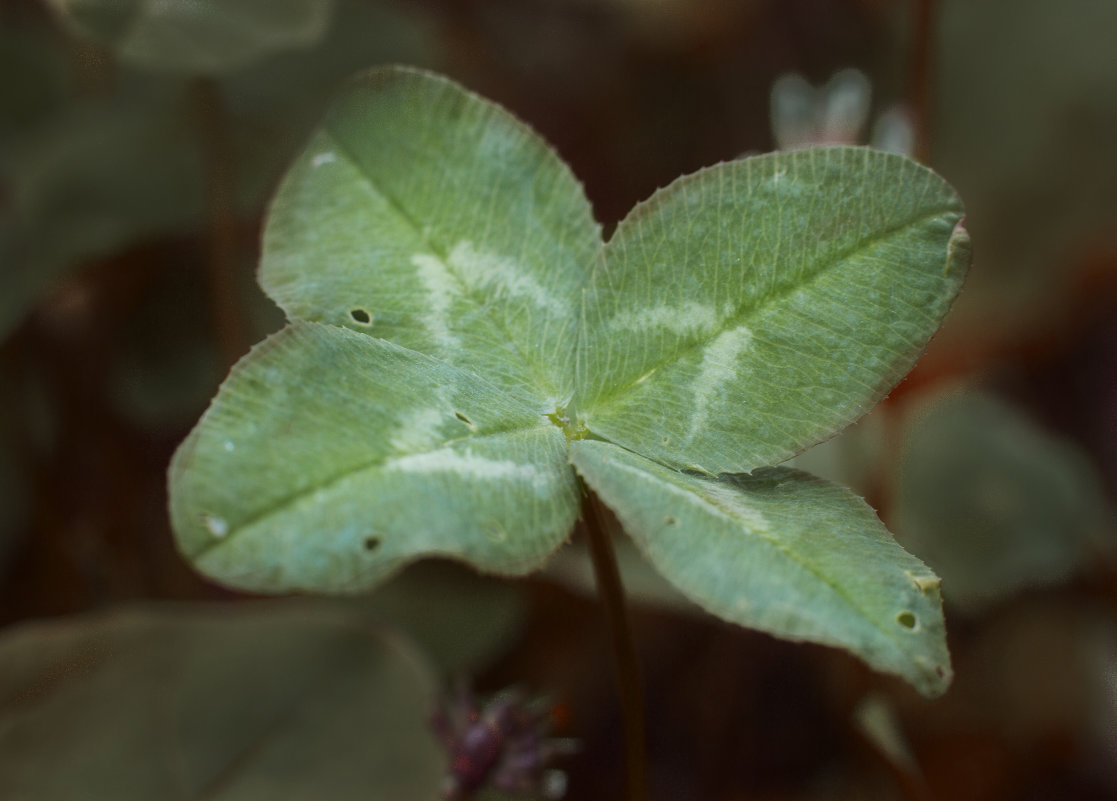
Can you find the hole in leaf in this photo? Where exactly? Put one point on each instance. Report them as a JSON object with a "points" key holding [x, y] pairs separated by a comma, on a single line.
{"points": [[906, 619], [464, 419], [361, 316], [372, 543]]}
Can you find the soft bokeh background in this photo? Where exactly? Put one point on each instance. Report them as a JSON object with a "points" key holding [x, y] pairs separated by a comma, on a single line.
{"points": [[137, 153]]}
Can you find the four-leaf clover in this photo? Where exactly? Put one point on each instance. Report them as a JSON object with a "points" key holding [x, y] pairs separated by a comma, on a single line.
{"points": [[463, 350]]}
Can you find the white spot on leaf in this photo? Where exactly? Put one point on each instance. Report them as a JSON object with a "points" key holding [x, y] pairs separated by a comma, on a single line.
{"points": [[323, 158], [229, 446], [217, 526]]}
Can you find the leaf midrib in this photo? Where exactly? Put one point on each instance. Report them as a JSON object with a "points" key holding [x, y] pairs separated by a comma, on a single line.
{"points": [[790, 555], [747, 313], [783, 550], [213, 544], [540, 380]]}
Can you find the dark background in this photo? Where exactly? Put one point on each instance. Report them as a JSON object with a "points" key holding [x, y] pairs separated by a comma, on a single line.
{"points": [[131, 199]]}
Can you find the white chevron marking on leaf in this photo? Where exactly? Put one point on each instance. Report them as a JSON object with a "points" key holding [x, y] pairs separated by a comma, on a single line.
{"points": [[688, 318], [469, 466], [437, 281], [717, 369], [502, 275]]}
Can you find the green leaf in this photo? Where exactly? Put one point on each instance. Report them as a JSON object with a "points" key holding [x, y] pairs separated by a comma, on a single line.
{"points": [[278, 701], [752, 309], [200, 36], [782, 552], [993, 501], [425, 215], [330, 458]]}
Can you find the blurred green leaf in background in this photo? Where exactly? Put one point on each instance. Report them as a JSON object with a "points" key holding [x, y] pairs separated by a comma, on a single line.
{"points": [[994, 502], [200, 37], [266, 700]]}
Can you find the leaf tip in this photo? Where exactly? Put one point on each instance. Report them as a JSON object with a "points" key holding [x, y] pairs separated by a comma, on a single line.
{"points": [[937, 681]]}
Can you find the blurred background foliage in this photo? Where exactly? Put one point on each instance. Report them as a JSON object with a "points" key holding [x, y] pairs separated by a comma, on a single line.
{"points": [[139, 143]]}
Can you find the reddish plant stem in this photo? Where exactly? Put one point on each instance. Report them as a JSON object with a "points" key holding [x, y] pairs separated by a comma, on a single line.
{"points": [[629, 683]]}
